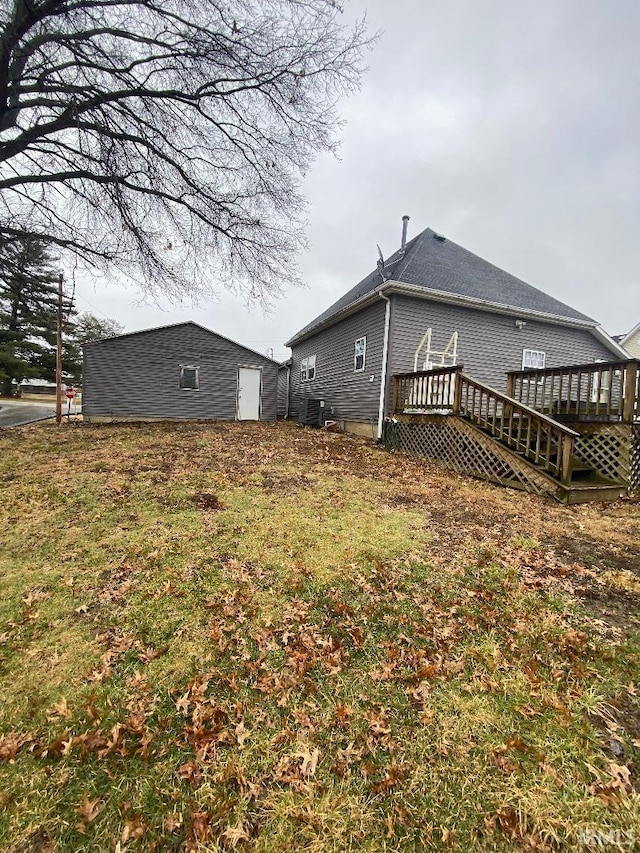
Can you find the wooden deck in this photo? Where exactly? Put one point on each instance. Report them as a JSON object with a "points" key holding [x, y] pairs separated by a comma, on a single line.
{"points": [[572, 432]]}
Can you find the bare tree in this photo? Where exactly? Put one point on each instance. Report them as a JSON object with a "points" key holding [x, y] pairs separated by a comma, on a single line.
{"points": [[170, 136]]}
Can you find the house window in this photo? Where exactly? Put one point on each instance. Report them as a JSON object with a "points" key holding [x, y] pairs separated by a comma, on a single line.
{"points": [[533, 359], [359, 353], [308, 368], [189, 378]]}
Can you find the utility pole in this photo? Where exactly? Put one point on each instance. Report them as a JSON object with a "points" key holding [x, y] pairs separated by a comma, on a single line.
{"points": [[59, 355]]}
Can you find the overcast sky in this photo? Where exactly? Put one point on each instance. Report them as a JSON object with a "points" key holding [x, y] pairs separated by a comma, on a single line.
{"points": [[511, 128]]}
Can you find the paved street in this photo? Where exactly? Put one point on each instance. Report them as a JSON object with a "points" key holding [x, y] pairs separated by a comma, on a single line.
{"points": [[16, 412]]}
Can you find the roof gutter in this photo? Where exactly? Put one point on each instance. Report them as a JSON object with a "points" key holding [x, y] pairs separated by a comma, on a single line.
{"points": [[443, 296], [484, 304], [340, 315]]}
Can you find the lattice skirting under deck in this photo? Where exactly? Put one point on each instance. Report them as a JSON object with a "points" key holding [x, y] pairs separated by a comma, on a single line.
{"points": [[454, 444], [607, 448], [634, 461]]}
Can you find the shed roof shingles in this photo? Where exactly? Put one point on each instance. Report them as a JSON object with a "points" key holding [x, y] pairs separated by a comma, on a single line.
{"points": [[441, 265]]}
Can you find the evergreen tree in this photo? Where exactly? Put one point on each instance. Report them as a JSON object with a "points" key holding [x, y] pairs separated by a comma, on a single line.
{"points": [[28, 306], [84, 328]]}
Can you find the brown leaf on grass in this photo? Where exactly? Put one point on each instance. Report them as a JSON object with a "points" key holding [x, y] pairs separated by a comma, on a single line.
{"points": [[394, 774], [378, 723], [506, 820], [199, 829], [309, 761], [234, 835], [173, 822], [241, 734], [11, 743], [59, 746], [89, 811], [447, 836], [150, 654], [183, 703], [190, 772], [501, 761], [133, 829], [349, 754], [59, 711], [615, 788], [344, 714], [421, 693], [390, 826]]}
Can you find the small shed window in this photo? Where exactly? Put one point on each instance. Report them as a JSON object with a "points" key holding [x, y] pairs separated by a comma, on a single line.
{"points": [[359, 354], [308, 368], [189, 378], [533, 359]]}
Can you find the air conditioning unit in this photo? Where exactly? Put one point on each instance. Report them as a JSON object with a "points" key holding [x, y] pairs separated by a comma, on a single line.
{"points": [[311, 412]]}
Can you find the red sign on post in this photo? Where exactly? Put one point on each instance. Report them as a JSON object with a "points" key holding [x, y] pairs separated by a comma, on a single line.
{"points": [[70, 393]]}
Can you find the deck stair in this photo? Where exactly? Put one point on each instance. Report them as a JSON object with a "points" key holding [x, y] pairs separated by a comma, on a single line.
{"points": [[501, 438]]}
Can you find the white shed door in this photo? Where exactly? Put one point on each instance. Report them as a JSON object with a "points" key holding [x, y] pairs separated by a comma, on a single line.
{"points": [[249, 381]]}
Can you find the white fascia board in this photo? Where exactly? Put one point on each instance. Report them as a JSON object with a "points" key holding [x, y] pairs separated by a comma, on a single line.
{"points": [[485, 305], [630, 334], [608, 341], [420, 292], [372, 296]]}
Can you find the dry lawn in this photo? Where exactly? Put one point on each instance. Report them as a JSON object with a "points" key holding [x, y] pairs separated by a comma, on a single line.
{"points": [[267, 638]]}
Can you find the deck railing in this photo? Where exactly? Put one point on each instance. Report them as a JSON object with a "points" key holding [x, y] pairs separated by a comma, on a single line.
{"points": [[601, 391], [425, 391], [535, 436]]}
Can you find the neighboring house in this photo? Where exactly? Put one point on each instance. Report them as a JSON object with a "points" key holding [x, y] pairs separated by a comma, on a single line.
{"points": [[631, 342], [178, 371], [478, 315], [37, 386]]}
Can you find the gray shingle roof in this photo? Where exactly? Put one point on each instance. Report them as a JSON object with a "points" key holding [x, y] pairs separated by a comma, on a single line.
{"points": [[435, 263]]}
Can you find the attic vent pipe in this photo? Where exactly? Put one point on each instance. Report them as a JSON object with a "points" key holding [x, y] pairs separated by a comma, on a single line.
{"points": [[405, 222]]}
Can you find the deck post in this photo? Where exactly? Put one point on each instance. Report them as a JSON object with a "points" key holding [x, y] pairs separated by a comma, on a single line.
{"points": [[629, 393], [457, 392], [394, 401], [511, 385], [567, 453]]}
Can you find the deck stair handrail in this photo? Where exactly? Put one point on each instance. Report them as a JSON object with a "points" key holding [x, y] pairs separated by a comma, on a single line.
{"points": [[537, 437], [599, 391]]}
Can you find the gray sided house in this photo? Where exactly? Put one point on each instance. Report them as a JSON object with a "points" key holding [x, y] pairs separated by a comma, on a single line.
{"points": [[433, 303], [183, 371]]}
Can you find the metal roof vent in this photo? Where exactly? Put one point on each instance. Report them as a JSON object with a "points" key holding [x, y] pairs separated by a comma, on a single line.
{"points": [[405, 223]]}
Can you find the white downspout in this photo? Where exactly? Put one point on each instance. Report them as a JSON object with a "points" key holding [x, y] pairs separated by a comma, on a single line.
{"points": [[286, 408], [385, 352]]}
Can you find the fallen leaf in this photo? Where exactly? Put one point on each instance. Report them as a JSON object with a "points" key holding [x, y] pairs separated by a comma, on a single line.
{"points": [[241, 734], [60, 710], [90, 809], [235, 834], [183, 703], [199, 826], [133, 828], [173, 822], [309, 762]]}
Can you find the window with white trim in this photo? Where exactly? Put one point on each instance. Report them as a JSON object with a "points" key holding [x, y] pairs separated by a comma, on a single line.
{"points": [[189, 377], [308, 368], [533, 359], [359, 354]]}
